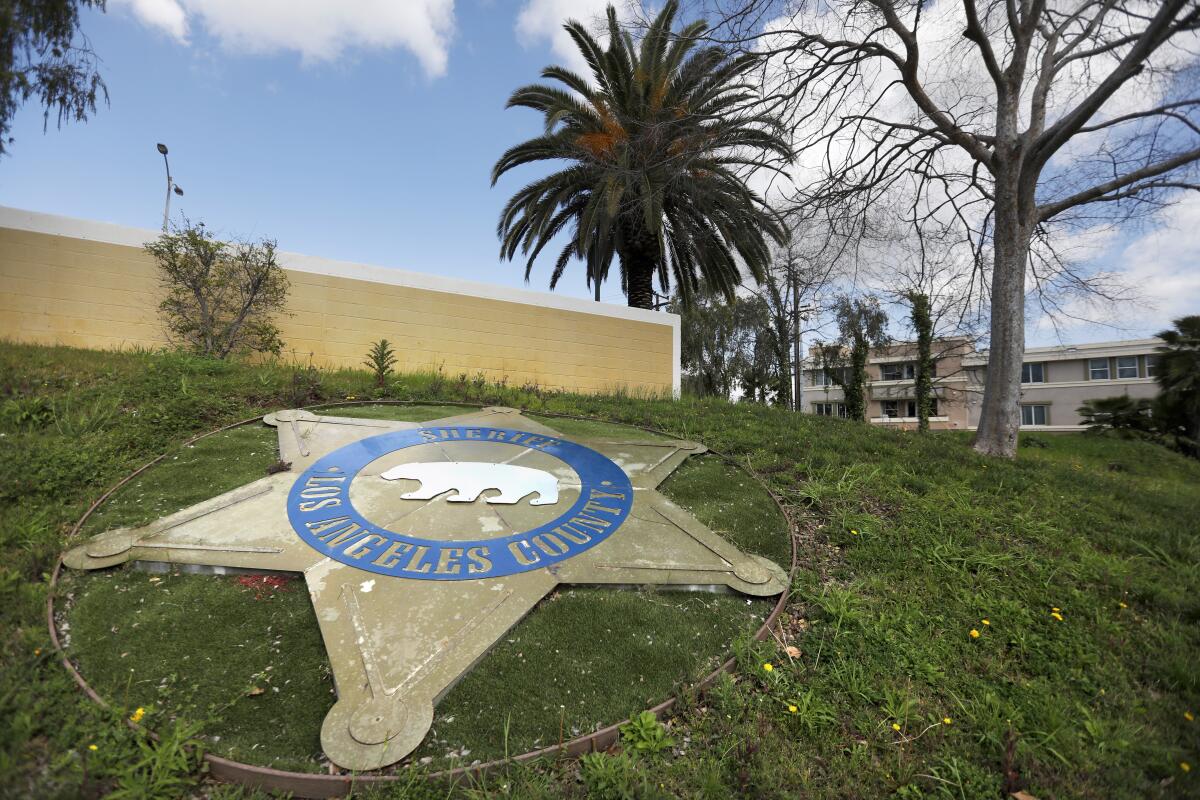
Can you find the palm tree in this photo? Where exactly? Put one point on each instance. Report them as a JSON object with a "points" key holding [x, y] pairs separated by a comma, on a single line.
{"points": [[1179, 380], [654, 146]]}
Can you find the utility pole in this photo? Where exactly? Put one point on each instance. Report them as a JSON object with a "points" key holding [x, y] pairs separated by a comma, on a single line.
{"points": [[171, 186]]}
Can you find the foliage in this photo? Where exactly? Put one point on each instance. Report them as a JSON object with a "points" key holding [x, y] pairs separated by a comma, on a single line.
{"points": [[1179, 381], [862, 324], [908, 543], [220, 298], [43, 53], [727, 346], [1122, 413], [645, 735], [381, 358], [608, 777], [654, 147], [922, 323]]}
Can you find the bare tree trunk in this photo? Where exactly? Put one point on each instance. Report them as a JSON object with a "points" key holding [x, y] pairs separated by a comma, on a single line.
{"points": [[1000, 417]]}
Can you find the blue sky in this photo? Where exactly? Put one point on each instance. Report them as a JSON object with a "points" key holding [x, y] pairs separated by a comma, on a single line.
{"points": [[365, 131], [366, 157]]}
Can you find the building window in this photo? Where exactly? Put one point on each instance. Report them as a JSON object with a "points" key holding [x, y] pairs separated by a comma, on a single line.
{"points": [[891, 408], [898, 372], [1127, 367], [908, 408], [830, 409], [824, 377], [1098, 369], [1033, 415], [1033, 373], [1151, 366]]}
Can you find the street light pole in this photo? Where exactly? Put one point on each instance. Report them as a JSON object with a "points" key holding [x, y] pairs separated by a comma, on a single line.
{"points": [[171, 186], [798, 352]]}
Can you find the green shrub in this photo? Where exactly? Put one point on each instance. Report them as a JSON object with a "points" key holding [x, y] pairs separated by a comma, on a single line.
{"points": [[1121, 413], [645, 735], [608, 777]]}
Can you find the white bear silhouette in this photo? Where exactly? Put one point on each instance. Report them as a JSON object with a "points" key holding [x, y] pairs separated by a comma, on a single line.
{"points": [[469, 478]]}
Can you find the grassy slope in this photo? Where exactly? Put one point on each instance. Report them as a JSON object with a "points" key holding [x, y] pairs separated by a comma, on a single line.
{"points": [[195, 644], [909, 543]]}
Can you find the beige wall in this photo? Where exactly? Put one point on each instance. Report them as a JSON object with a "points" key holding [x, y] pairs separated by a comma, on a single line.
{"points": [[87, 284]]}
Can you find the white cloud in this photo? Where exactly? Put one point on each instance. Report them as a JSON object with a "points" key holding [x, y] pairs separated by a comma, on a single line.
{"points": [[165, 15], [543, 20], [1161, 266], [317, 30], [1164, 264]]}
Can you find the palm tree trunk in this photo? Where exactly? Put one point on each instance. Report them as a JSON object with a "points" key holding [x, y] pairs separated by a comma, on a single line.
{"points": [[639, 257], [641, 288]]}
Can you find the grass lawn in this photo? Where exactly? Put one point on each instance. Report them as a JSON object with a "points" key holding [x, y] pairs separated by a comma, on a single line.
{"points": [[1083, 557]]}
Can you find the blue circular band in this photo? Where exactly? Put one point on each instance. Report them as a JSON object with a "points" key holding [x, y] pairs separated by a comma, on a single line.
{"points": [[321, 513]]}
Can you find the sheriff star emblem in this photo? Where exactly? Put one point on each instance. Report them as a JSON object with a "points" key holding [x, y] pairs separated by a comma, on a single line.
{"points": [[423, 543]]}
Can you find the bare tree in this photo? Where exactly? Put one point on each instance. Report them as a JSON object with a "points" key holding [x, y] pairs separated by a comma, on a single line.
{"points": [[804, 266], [1013, 119], [925, 270], [219, 299]]}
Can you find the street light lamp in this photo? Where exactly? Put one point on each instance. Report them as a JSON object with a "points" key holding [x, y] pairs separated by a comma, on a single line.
{"points": [[171, 185]]}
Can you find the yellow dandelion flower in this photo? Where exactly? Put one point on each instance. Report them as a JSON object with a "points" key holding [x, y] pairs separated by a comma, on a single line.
{"points": [[1185, 766], [986, 621], [793, 709], [93, 748], [974, 633], [854, 532], [1122, 605], [1057, 616], [137, 715], [895, 726], [1055, 608], [767, 667], [947, 721], [1189, 716]]}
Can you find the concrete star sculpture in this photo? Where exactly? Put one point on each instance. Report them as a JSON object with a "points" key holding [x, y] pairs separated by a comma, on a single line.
{"points": [[413, 584]]}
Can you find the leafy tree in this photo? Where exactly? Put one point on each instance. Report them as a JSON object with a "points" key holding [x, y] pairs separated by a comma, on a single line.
{"points": [[654, 146], [43, 53], [862, 324], [1120, 413], [762, 375], [220, 298], [725, 346], [922, 323], [709, 351], [1179, 382]]}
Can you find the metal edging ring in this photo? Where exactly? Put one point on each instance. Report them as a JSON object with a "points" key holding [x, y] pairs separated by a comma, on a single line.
{"points": [[319, 785]]}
